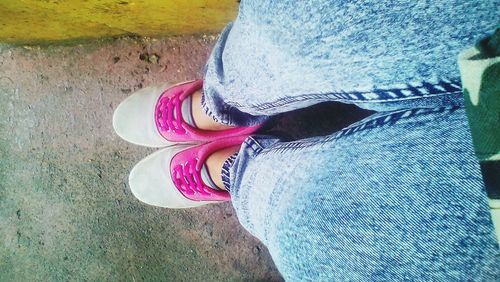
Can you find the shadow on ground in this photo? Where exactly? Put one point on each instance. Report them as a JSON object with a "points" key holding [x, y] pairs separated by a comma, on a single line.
{"points": [[66, 212]]}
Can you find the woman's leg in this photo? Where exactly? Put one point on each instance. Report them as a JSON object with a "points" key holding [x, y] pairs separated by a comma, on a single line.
{"points": [[398, 196], [380, 54]]}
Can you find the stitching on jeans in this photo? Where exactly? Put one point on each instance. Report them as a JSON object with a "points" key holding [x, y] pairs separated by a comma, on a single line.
{"points": [[327, 99], [225, 171], [375, 122], [254, 145], [206, 108], [376, 96]]}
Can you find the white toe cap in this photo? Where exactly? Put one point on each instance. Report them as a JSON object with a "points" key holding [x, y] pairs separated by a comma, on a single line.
{"points": [[151, 183], [134, 120]]}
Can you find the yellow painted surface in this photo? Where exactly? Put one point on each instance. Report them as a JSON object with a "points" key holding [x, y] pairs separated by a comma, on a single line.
{"points": [[25, 21]]}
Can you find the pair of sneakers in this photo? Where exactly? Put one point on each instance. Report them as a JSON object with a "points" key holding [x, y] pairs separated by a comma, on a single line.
{"points": [[175, 176]]}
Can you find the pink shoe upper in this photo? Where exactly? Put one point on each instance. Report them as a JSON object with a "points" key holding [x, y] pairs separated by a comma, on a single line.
{"points": [[171, 125], [185, 169]]}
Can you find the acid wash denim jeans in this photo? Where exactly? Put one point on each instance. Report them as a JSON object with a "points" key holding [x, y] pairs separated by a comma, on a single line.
{"points": [[379, 54], [397, 196]]}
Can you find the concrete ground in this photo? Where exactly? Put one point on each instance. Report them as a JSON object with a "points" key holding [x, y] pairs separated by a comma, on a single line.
{"points": [[66, 211]]}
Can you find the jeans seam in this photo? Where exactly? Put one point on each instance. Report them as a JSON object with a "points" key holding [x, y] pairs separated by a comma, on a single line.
{"points": [[224, 117], [391, 95], [254, 145]]}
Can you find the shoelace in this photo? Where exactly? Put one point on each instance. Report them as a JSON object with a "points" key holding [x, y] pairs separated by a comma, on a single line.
{"points": [[169, 114], [188, 178]]}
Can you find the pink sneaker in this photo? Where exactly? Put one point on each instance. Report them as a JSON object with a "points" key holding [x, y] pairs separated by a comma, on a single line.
{"points": [[173, 177], [156, 117]]}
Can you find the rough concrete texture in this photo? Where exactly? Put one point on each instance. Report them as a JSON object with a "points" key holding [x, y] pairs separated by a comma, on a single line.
{"points": [[66, 212]]}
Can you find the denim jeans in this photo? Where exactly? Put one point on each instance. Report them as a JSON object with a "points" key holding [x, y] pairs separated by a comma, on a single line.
{"points": [[379, 54], [397, 196]]}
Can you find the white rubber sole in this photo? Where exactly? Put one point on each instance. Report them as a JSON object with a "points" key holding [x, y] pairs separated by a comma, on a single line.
{"points": [[151, 182], [134, 118]]}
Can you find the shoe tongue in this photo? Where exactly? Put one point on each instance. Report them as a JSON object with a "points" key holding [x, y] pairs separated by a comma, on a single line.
{"points": [[187, 114], [207, 179]]}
